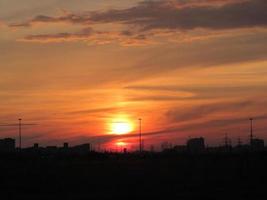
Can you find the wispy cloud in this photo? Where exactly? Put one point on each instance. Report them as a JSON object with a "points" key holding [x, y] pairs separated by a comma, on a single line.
{"points": [[149, 18], [196, 89], [92, 111], [85, 34], [186, 16], [91, 37], [197, 112], [172, 14]]}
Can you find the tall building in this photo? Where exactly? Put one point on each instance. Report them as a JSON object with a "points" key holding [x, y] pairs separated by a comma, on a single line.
{"points": [[196, 145]]}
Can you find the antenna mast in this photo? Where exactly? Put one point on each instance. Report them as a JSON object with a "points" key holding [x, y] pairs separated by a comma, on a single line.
{"points": [[19, 125], [251, 130], [140, 135], [20, 134]]}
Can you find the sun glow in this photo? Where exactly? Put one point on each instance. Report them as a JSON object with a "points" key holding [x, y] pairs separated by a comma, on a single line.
{"points": [[121, 144], [121, 128]]}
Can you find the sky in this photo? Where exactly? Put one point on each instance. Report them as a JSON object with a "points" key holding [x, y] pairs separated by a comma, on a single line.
{"points": [[188, 68]]}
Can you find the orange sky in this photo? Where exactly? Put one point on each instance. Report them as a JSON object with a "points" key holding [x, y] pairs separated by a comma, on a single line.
{"points": [[187, 68]]}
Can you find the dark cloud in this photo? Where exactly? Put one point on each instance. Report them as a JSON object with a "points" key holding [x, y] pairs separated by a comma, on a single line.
{"points": [[84, 34], [66, 18], [124, 38], [177, 14]]}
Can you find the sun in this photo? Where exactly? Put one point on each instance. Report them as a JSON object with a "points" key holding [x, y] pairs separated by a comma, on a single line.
{"points": [[121, 128]]}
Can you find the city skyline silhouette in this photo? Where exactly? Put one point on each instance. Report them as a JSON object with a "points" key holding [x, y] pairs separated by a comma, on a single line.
{"points": [[133, 99], [138, 141]]}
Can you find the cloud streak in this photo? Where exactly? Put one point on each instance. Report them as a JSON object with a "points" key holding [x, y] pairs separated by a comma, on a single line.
{"points": [[91, 36], [151, 17], [177, 115], [175, 14]]}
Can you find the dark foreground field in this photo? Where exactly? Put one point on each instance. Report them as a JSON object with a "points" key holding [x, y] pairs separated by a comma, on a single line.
{"points": [[224, 176]]}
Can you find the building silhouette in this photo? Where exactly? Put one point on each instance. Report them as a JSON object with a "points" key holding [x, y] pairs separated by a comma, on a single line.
{"points": [[66, 145], [180, 148], [81, 149], [36, 146], [7, 145], [53, 150], [193, 145], [196, 145], [257, 144]]}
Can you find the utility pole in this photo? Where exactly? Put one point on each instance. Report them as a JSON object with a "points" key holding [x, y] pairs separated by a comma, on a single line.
{"points": [[226, 140], [140, 135], [251, 130], [20, 134], [239, 142], [19, 125]]}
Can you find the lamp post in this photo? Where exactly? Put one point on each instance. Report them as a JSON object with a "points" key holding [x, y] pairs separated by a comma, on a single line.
{"points": [[20, 134], [251, 130], [19, 125], [140, 135]]}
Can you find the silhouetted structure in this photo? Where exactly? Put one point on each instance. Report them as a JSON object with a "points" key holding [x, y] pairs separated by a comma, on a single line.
{"points": [[166, 146], [251, 130], [81, 149], [227, 147], [257, 144], [196, 145], [36, 146], [7, 145], [180, 148], [19, 125], [54, 150], [51, 149], [66, 145], [140, 135]]}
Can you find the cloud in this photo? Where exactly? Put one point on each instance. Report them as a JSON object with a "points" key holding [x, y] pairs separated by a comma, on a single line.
{"points": [[202, 111], [226, 122], [173, 14], [124, 38], [65, 18], [235, 50], [193, 92], [93, 111], [151, 18], [176, 88], [85, 34], [159, 98], [186, 16]]}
